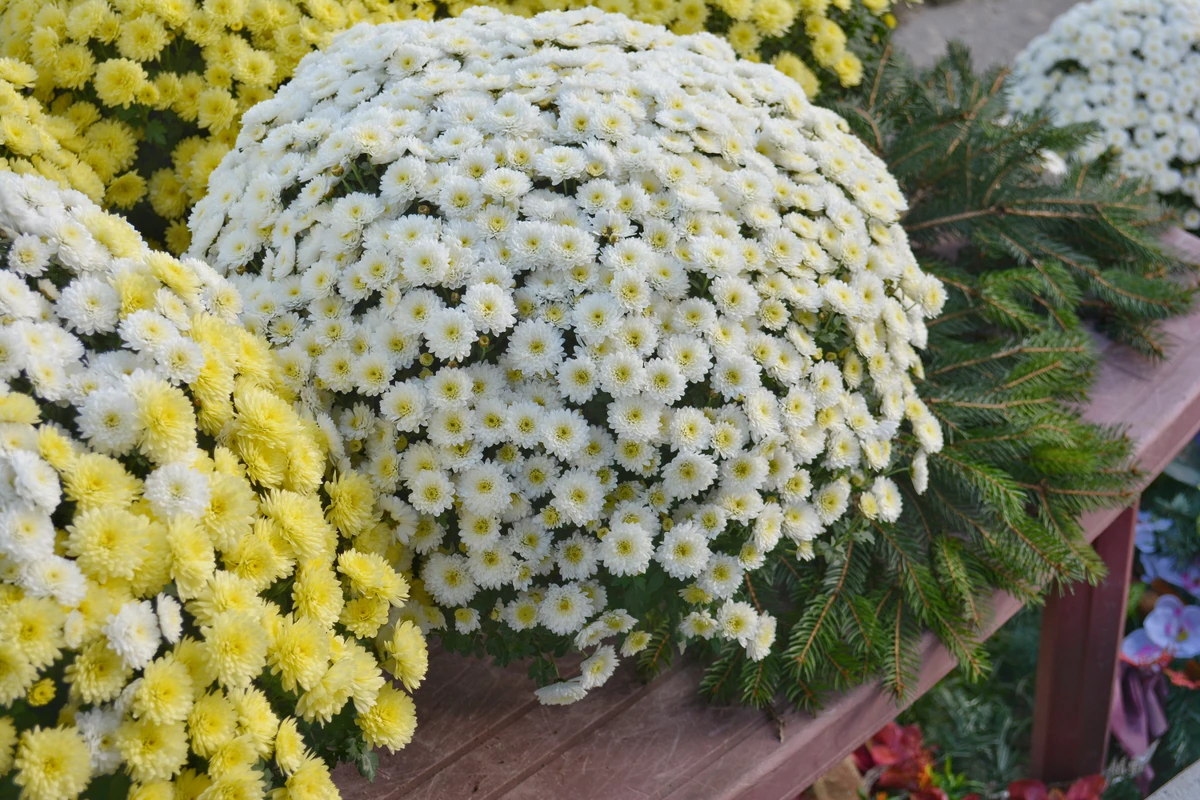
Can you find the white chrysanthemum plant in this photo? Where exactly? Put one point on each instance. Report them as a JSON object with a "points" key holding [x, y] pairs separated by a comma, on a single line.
{"points": [[187, 594], [1132, 67], [609, 314]]}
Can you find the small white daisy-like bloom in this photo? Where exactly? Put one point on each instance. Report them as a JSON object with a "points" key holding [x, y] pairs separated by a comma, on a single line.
{"points": [[89, 305], [576, 557], [466, 620], [170, 617], [431, 492], [98, 726], [598, 667], [450, 334], [684, 551], [565, 609], [832, 500], [133, 633], [177, 489], [920, 471], [760, 643], [54, 576], [579, 496], [700, 624], [737, 621], [722, 577], [626, 549], [634, 643], [26, 533], [448, 579], [562, 693]]}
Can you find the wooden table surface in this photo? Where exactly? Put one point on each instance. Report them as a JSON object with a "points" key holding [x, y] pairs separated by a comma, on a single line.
{"points": [[482, 735]]}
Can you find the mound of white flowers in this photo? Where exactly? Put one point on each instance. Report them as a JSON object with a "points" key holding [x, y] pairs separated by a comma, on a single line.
{"points": [[609, 312], [184, 597], [1133, 68]]}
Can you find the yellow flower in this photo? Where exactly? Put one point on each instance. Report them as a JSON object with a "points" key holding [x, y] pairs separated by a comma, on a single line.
{"points": [[212, 723], [152, 752], [17, 673], [167, 419], [8, 740], [351, 502], [142, 38], [391, 721], [260, 557], [118, 81], [311, 781], [158, 790], [409, 655], [317, 593], [256, 718], [108, 542], [364, 616], [126, 191], [168, 195], [849, 69], [97, 674], [236, 648], [290, 750], [238, 753], [52, 764], [299, 653], [773, 17], [34, 625], [797, 70], [41, 692], [165, 693]]}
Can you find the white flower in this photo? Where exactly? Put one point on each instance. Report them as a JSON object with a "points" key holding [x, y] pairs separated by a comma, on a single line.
{"points": [[626, 549], [598, 668], [561, 693], [98, 726], [737, 621], [177, 489], [170, 617], [684, 551], [133, 633], [448, 579], [564, 609]]}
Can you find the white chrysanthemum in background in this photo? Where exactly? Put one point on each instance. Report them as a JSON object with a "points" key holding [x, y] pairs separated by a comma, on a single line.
{"points": [[1133, 68], [596, 304]]}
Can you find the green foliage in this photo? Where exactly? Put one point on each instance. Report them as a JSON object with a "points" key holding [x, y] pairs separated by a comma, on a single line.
{"points": [[1028, 263], [982, 728]]}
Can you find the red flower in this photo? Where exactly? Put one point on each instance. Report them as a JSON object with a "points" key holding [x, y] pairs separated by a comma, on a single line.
{"points": [[1028, 790], [1089, 788], [907, 763]]}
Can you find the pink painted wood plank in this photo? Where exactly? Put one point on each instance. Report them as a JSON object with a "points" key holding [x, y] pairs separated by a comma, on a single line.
{"points": [[482, 735]]}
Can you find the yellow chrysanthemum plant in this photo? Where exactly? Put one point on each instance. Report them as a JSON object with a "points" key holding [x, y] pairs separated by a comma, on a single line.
{"points": [[818, 43], [192, 603], [34, 142], [156, 87]]}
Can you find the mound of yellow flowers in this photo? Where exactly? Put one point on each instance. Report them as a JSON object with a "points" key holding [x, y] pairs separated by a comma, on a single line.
{"points": [[32, 141], [190, 600]]}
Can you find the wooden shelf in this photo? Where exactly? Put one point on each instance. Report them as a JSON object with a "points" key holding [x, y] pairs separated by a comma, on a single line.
{"points": [[483, 736]]}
